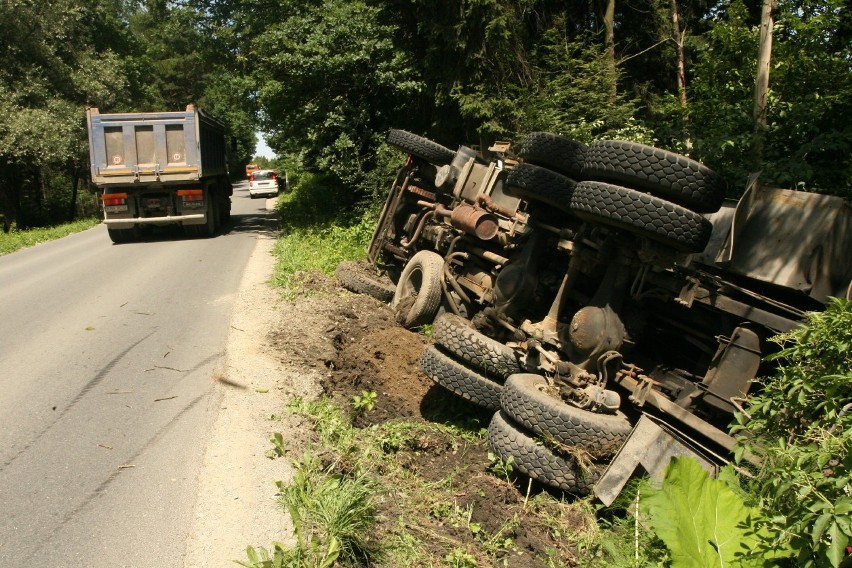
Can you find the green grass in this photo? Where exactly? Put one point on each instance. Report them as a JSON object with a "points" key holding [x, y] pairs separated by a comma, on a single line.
{"points": [[321, 225], [15, 240]]}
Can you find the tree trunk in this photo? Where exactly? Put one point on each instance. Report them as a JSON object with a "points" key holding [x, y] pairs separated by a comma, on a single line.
{"points": [[761, 84], [75, 183], [679, 36], [609, 39]]}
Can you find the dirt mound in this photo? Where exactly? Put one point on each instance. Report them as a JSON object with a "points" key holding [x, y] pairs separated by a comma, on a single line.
{"points": [[354, 344]]}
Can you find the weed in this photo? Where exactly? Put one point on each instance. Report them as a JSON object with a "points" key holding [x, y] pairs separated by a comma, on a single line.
{"points": [[500, 542], [334, 428], [392, 436], [364, 402], [501, 467], [278, 447], [458, 558], [333, 517]]}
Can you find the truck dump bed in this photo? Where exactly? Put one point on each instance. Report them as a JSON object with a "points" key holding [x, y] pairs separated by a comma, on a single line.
{"points": [[159, 147]]}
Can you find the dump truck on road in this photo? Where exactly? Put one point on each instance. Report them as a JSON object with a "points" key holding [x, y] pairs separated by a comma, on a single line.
{"points": [[160, 168]]}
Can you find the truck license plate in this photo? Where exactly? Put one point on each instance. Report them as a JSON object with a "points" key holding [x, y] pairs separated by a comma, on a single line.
{"points": [[115, 208]]}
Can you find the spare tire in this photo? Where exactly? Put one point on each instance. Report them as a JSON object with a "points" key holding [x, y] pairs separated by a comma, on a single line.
{"points": [[555, 152], [421, 147], [418, 293], [674, 177], [534, 460], [524, 399], [642, 214]]}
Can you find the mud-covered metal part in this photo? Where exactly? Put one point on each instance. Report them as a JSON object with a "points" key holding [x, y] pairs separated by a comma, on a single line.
{"points": [[652, 444], [447, 175], [731, 372], [517, 281], [592, 332], [474, 221], [794, 239]]}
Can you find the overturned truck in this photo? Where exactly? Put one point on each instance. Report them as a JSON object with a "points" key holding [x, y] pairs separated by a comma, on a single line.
{"points": [[606, 301]]}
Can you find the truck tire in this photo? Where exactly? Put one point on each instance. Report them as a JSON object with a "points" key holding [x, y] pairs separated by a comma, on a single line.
{"points": [[538, 184], [418, 293], [665, 174], [455, 335], [459, 379], [534, 460], [355, 277], [525, 401], [421, 147], [225, 211], [555, 152], [642, 214], [208, 229], [119, 236]]}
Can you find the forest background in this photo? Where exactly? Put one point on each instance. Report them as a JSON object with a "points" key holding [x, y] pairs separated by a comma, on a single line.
{"points": [[325, 80]]}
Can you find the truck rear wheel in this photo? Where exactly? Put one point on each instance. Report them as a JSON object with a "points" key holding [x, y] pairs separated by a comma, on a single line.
{"points": [[418, 293], [538, 184], [208, 229], [421, 147], [554, 152], [525, 400], [460, 379], [456, 335], [509, 440], [642, 214], [668, 175], [123, 235]]}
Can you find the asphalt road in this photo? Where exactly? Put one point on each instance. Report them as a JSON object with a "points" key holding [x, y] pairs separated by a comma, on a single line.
{"points": [[107, 362]]}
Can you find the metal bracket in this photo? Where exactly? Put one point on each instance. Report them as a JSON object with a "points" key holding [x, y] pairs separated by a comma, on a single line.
{"points": [[687, 293], [651, 445], [643, 389]]}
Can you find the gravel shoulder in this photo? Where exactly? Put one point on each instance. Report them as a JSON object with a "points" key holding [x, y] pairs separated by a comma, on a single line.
{"points": [[236, 504]]}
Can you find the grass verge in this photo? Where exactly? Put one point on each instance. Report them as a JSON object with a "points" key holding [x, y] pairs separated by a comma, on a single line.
{"points": [[321, 225], [15, 239]]}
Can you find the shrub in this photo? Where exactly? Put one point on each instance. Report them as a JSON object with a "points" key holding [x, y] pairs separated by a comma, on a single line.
{"points": [[800, 425]]}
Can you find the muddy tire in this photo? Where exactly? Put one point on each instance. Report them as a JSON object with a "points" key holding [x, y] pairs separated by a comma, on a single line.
{"points": [[554, 152], [418, 293], [534, 460], [525, 401], [537, 184], [356, 277], [456, 336], [642, 214], [668, 175], [460, 379], [421, 147]]}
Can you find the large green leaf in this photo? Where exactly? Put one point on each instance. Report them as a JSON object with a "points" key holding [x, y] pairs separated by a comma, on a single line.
{"points": [[702, 521]]}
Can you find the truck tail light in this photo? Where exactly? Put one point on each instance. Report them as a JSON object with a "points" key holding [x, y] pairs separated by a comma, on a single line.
{"points": [[114, 198], [251, 177], [191, 194]]}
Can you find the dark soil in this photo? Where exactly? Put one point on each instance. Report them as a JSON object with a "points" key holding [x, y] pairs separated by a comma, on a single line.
{"points": [[361, 348]]}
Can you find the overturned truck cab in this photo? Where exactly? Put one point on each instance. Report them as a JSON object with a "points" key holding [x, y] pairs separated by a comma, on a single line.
{"points": [[160, 168]]}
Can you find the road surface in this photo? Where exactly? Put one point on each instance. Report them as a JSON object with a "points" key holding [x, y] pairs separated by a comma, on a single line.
{"points": [[108, 359]]}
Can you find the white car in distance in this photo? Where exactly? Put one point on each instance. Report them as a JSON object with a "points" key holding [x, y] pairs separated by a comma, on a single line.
{"points": [[264, 183]]}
